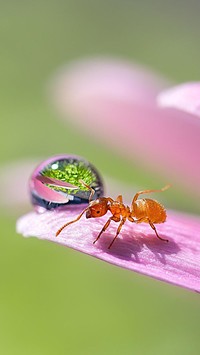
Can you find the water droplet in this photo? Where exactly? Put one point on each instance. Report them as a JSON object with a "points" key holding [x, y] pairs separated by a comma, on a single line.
{"points": [[57, 182]]}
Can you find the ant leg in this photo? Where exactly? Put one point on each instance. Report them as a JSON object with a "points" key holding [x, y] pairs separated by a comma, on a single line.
{"points": [[103, 229], [131, 219], [147, 220], [154, 228], [92, 191], [118, 231], [68, 223], [149, 191]]}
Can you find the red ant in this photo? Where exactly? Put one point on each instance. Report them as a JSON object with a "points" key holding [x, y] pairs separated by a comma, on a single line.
{"points": [[141, 210]]}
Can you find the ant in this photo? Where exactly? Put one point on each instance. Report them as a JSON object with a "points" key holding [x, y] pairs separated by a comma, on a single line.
{"points": [[141, 210]]}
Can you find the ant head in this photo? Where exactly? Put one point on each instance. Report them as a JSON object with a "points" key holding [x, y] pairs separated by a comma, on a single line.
{"points": [[97, 208]]}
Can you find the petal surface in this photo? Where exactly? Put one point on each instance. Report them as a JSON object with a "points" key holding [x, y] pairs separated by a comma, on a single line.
{"points": [[115, 102], [14, 178], [102, 78], [136, 248], [185, 97]]}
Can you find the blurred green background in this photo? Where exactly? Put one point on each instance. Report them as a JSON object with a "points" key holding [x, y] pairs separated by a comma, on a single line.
{"points": [[54, 300]]}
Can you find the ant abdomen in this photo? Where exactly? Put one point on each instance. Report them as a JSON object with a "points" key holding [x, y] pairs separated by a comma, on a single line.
{"points": [[150, 209]]}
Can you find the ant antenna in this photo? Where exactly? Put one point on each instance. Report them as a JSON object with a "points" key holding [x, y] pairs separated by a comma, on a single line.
{"points": [[92, 192]]}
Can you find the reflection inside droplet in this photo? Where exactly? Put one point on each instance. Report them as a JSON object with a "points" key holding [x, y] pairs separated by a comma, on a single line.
{"points": [[57, 182]]}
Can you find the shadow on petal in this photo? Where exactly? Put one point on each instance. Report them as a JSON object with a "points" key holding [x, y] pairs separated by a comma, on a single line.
{"points": [[121, 249], [129, 247]]}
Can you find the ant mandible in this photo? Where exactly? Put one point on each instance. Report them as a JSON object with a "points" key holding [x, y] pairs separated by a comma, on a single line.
{"points": [[141, 210]]}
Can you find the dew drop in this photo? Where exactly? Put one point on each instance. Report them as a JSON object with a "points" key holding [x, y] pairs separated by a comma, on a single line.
{"points": [[56, 182]]}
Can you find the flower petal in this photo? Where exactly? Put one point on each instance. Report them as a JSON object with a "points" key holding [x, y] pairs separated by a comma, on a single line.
{"points": [[48, 194], [103, 78], [136, 248], [115, 103], [185, 97], [14, 178], [55, 182]]}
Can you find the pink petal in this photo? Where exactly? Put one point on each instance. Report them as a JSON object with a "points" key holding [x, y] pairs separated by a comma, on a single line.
{"points": [[48, 194], [115, 102], [14, 178], [91, 80], [137, 247], [185, 97], [55, 182]]}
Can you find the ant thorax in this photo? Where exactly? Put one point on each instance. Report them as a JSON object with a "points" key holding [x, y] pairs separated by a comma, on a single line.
{"points": [[119, 209]]}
